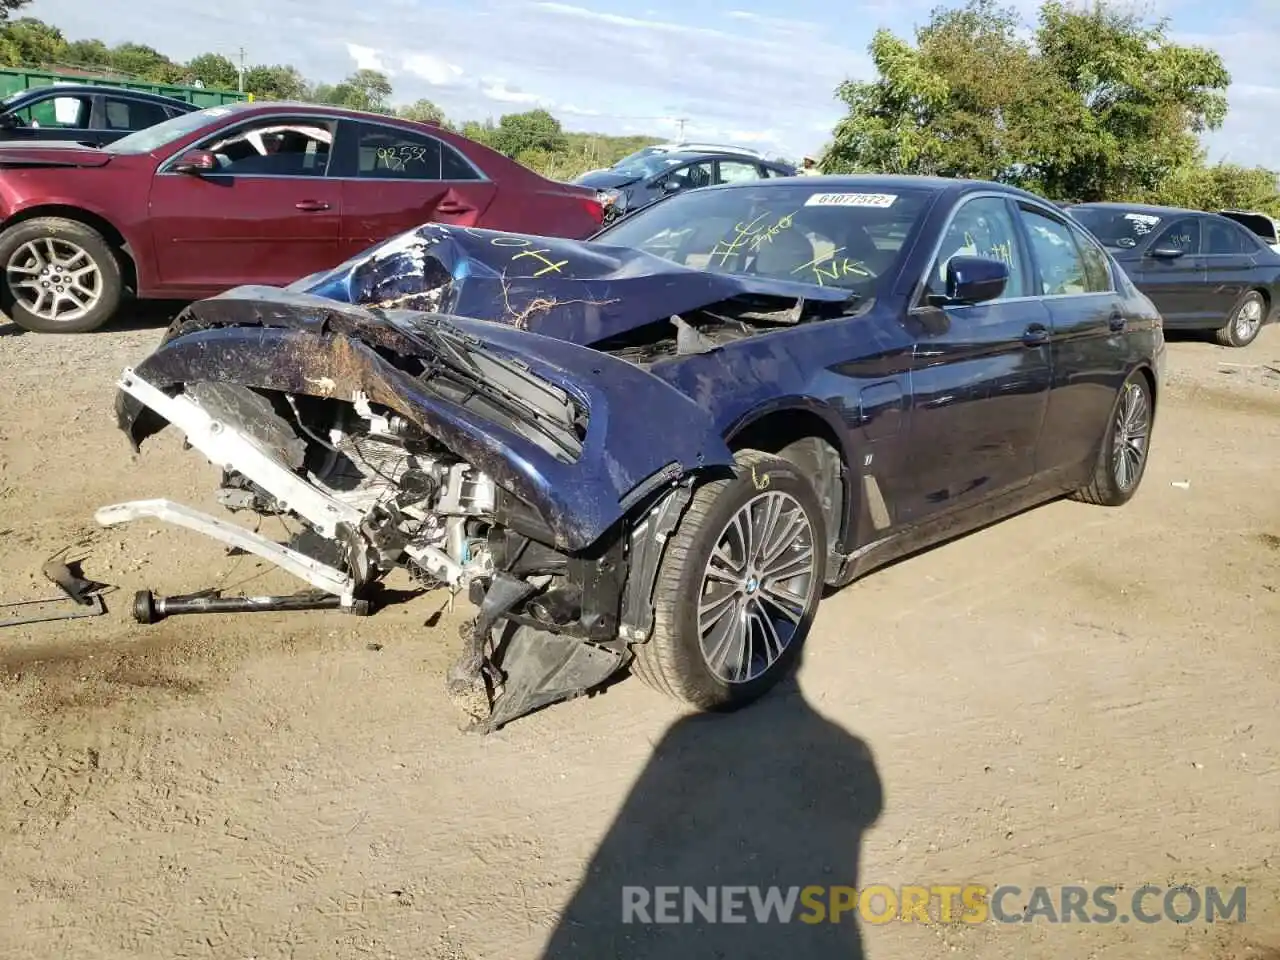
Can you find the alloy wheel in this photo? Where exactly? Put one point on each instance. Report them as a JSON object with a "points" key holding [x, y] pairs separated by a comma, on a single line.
{"points": [[756, 587], [1132, 431], [1248, 319], [54, 279]]}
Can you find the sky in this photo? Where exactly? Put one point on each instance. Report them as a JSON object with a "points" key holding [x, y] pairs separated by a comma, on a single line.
{"points": [[759, 73]]}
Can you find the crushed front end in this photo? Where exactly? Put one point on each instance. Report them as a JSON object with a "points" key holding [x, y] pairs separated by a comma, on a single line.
{"points": [[536, 476]]}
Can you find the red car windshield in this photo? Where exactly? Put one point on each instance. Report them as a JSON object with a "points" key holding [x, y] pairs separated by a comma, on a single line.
{"points": [[848, 237]]}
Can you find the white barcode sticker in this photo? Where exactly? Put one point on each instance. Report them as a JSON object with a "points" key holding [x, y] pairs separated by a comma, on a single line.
{"points": [[851, 200]]}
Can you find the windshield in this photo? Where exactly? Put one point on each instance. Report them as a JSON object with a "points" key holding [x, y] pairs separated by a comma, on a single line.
{"points": [[175, 128], [1118, 229], [638, 155], [780, 230], [647, 166]]}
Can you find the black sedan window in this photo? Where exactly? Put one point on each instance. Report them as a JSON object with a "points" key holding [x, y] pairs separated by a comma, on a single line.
{"points": [[784, 231], [1119, 229], [1181, 235]]}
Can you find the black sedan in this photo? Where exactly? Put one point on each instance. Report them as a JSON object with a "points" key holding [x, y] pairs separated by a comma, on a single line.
{"points": [[83, 113], [787, 383], [1203, 271], [637, 182]]}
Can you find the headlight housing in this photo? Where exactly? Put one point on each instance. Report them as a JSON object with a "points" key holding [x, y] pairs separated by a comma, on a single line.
{"points": [[612, 199]]}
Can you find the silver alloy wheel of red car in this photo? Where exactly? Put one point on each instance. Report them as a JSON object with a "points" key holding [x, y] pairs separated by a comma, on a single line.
{"points": [[54, 279], [754, 587]]}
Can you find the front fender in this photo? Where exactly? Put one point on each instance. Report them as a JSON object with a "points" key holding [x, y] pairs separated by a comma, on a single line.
{"points": [[641, 432]]}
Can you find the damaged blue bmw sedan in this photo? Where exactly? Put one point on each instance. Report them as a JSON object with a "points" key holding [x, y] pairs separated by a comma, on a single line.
{"points": [[653, 449]]}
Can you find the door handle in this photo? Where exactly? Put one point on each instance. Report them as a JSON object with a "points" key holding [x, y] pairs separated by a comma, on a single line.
{"points": [[1116, 321], [450, 208], [1035, 335], [311, 206]]}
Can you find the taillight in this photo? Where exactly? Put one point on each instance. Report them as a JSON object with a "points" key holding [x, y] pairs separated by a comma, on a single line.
{"points": [[594, 208]]}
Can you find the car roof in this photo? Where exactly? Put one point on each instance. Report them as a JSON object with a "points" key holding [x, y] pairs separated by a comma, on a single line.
{"points": [[1153, 209], [890, 181], [72, 86], [682, 155], [299, 108]]}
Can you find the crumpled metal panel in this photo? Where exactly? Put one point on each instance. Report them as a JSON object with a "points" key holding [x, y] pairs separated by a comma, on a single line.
{"points": [[578, 291], [261, 337]]}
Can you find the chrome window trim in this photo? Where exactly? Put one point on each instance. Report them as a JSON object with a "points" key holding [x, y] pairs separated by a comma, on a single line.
{"points": [[922, 282], [161, 170], [1081, 234], [444, 144]]}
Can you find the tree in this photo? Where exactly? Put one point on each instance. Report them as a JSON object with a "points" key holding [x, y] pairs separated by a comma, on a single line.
{"points": [[423, 111], [1102, 105], [8, 6], [363, 90], [146, 63], [214, 70], [519, 133], [534, 138], [276, 83], [35, 41], [1142, 99], [88, 53]]}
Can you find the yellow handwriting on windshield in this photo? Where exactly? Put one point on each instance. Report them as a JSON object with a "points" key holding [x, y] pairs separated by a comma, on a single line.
{"points": [[752, 236], [828, 266]]}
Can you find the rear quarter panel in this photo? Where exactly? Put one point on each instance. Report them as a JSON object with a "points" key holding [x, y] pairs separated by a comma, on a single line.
{"points": [[527, 202]]}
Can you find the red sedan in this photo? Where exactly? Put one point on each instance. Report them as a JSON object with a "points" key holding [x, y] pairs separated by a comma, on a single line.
{"points": [[244, 193]]}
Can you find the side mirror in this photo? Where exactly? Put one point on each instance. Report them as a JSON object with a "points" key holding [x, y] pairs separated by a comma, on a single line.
{"points": [[670, 186], [1166, 253], [196, 162], [8, 121], [975, 279]]}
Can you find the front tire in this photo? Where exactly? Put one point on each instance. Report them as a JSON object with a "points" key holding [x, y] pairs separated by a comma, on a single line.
{"points": [[738, 587], [59, 276], [1122, 461], [1245, 322]]}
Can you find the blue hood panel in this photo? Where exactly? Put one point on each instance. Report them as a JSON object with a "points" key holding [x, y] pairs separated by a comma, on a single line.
{"points": [[576, 290]]}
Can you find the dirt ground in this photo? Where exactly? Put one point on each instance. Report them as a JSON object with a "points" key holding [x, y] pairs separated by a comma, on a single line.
{"points": [[1077, 695]]}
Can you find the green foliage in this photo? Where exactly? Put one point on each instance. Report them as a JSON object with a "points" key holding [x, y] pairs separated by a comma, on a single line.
{"points": [[534, 130], [1098, 105], [214, 70], [421, 111], [535, 137], [277, 82]]}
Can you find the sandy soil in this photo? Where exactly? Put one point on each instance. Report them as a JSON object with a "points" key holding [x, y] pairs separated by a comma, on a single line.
{"points": [[1076, 695]]}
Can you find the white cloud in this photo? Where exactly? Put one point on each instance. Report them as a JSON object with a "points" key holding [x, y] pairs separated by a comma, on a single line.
{"points": [[434, 70], [759, 71], [498, 90], [366, 58]]}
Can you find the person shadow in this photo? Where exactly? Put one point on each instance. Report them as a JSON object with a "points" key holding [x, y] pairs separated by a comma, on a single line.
{"points": [[772, 796]]}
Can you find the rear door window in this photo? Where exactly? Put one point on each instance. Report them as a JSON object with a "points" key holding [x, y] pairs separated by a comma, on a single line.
{"points": [[1223, 238], [126, 114]]}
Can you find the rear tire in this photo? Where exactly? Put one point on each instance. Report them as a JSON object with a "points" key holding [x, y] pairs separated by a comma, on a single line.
{"points": [[1122, 461], [59, 276], [767, 583], [1245, 322]]}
